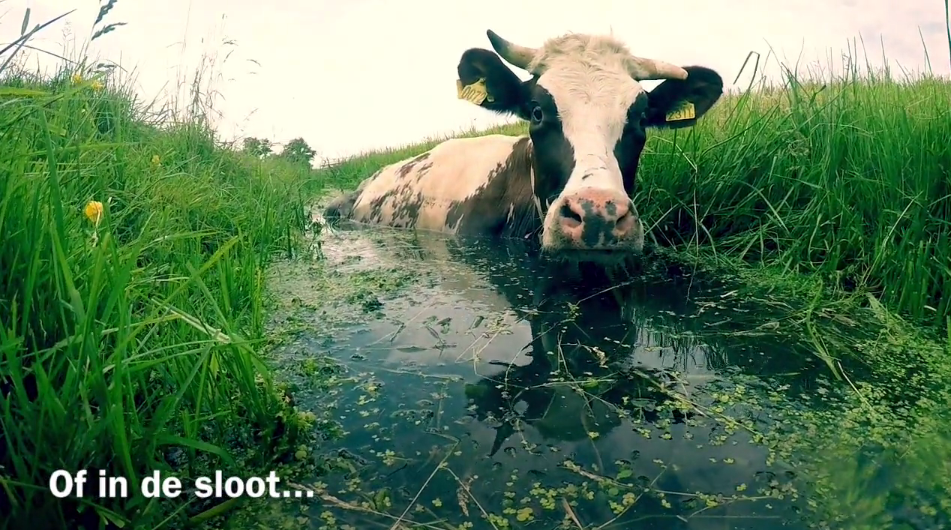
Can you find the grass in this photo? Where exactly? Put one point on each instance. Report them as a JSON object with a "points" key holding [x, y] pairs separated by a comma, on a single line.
{"points": [[848, 179], [132, 303]]}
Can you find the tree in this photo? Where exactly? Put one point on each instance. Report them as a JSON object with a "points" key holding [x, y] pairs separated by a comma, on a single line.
{"points": [[258, 147], [298, 151]]}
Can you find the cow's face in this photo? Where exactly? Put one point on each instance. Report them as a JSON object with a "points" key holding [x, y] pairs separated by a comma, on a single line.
{"points": [[588, 117]]}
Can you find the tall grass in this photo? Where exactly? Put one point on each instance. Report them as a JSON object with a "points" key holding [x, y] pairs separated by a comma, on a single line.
{"points": [[132, 258], [847, 177]]}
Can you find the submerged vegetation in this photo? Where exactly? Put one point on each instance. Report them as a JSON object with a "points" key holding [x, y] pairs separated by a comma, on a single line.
{"points": [[133, 301], [668, 407]]}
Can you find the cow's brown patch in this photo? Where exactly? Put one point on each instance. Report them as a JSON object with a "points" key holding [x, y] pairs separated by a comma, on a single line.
{"points": [[409, 165], [402, 205], [406, 210], [504, 205], [400, 202], [423, 170], [375, 215]]}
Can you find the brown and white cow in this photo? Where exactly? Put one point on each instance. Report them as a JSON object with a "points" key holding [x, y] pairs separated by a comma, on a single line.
{"points": [[571, 178]]}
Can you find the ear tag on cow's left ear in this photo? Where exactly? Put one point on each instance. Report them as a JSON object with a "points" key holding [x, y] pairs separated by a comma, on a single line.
{"points": [[475, 93], [684, 111]]}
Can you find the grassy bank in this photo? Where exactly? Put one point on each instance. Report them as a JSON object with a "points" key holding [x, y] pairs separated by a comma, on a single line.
{"points": [[131, 314], [849, 180]]}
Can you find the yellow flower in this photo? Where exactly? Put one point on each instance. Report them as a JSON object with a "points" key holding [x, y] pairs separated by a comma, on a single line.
{"points": [[77, 79], [156, 161], [97, 85], [93, 211]]}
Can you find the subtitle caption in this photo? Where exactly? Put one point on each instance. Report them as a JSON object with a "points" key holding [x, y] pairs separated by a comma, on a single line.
{"points": [[65, 484]]}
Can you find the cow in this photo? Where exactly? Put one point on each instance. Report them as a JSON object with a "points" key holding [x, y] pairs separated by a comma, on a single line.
{"points": [[571, 179]]}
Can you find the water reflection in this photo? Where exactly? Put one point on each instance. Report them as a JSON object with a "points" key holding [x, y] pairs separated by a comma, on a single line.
{"points": [[540, 382]]}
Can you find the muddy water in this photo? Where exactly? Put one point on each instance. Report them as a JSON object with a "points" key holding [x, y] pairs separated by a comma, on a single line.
{"points": [[479, 387]]}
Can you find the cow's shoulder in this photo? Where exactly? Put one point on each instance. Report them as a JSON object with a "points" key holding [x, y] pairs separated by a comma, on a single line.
{"points": [[504, 202]]}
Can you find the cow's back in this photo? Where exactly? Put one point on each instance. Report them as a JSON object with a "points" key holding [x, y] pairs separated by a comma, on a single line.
{"points": [[419, 192]]}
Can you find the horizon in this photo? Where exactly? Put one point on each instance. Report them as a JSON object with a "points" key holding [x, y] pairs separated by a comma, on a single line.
{"points": [[256, 83]]}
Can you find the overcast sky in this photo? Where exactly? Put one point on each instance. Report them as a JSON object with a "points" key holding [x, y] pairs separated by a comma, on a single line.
{"points": [[351, 75]]}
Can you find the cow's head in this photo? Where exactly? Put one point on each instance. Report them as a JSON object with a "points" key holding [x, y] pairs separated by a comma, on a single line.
{"points": [[588, 118]]}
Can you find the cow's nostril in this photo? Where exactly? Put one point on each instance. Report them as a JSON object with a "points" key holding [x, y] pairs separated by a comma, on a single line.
{"points": [[569, 216], [625, 223]]}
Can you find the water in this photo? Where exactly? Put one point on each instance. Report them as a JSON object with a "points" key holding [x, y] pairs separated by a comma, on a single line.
{"points": [[483, 386]]}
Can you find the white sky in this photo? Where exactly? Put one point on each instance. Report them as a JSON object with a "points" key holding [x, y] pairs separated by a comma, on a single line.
{"points": [[351, 75]]}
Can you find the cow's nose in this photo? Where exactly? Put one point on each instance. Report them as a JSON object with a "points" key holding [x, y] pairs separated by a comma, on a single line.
{"points": [[596, 218]]}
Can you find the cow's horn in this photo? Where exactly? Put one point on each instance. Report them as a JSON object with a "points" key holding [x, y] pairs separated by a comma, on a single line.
{"points": [[643, 69], [519, 56]]}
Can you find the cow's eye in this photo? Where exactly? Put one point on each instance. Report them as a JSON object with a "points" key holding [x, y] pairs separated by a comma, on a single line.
{"points": [[537, 114], [639, 118]]}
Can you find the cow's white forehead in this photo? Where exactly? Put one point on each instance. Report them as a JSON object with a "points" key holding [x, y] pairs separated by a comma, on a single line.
{"points": [[588, 78], [579, 47]]}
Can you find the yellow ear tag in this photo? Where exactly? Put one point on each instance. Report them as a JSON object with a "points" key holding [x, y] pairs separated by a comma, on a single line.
{"points": [[685, 111], [475, 93]]}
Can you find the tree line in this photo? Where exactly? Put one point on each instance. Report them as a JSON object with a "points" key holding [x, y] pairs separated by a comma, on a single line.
{"points": [[296, 150]]}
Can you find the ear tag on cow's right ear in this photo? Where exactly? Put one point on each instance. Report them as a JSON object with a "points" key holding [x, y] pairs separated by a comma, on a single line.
{"points": [[684, 111], [475, 93]]}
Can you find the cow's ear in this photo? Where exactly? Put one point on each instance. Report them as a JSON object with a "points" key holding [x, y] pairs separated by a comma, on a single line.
{"points": [[485, 81], [677, 103]]}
